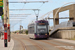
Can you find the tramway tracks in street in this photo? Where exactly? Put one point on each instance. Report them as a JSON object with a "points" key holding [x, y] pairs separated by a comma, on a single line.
{"points": [[61, 47], [37, 45], [24, 47], [41, 46]]}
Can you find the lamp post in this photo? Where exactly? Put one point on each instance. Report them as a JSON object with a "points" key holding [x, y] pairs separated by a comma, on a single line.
{"points": [[5, 22]]}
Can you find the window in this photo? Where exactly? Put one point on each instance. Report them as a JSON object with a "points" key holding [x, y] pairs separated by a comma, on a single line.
{"points": [[41, 27]]}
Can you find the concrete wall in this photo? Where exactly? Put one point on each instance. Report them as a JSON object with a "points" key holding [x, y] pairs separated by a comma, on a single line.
{"points": [[71, 9], [65, 34]]}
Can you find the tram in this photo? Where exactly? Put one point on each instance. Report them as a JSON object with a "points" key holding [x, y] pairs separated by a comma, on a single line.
{"points": [[38, 29]]}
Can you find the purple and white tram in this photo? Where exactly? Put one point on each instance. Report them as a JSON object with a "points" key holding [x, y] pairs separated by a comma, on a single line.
{"points": [[38, 29]]}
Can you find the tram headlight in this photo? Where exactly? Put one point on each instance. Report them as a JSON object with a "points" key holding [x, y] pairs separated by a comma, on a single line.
{"points": [[46, 34]]}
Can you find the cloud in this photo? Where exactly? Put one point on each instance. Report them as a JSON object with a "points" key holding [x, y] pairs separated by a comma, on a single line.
{"points": [[67, 3], [64, 2], [50, 1], [64, 14], [21, 0], [11, 11]]}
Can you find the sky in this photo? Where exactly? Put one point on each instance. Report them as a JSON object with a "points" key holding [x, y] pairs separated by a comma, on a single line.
{"points": [[44, 8]]}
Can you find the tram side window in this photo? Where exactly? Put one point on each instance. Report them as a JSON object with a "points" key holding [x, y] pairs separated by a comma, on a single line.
{"points": [[31, 29], [28, 30]]}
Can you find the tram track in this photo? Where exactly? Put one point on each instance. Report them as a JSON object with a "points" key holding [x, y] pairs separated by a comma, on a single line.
{"points": [[57, 45], [51, 44], [24, 47], [44, 42], [41, 46], [33, 43], [54, 41]]}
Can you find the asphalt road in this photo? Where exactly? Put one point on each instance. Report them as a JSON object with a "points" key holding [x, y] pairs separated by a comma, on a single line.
{"points": [[22, 42]]}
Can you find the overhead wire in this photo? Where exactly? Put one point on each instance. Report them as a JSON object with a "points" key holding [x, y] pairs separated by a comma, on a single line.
{"points": [[19, 11], [41, 5], [38, 12], [38, 7]]}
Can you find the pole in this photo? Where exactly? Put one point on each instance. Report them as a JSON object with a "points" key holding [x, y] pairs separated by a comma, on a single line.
{"points": [[36, 18], [20, 29], [5, 23], [8, 31]]}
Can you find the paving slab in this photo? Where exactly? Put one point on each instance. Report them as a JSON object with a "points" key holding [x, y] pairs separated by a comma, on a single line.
{"points": [[10, 45]]}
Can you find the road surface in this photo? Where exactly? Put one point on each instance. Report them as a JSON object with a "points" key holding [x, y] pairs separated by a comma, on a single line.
{"points": [[22, 42]]}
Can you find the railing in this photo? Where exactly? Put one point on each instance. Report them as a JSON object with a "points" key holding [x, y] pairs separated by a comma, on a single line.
{"points": [[62, 25]]}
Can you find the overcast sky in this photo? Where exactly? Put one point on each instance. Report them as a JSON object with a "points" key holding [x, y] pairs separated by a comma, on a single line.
{"points": [[44, 8]]}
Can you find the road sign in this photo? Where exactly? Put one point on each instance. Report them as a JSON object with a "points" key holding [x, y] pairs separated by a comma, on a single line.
{"points": [[1, 8], [1, 3], [8, 25], [1, 0], [2, 16]]}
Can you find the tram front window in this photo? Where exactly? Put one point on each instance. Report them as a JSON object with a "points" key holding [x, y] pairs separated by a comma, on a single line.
{"points": [[42, 29]]}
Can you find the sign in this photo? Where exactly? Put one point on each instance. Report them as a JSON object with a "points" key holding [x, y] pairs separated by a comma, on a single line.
{"points": [[1, 0], [8, 25], [1, 3], [2, 16], [5, 31], [41, 23], [5, 35]]}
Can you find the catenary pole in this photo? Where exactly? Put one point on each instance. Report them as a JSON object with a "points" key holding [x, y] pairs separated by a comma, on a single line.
{"points": [[5, 23]]}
